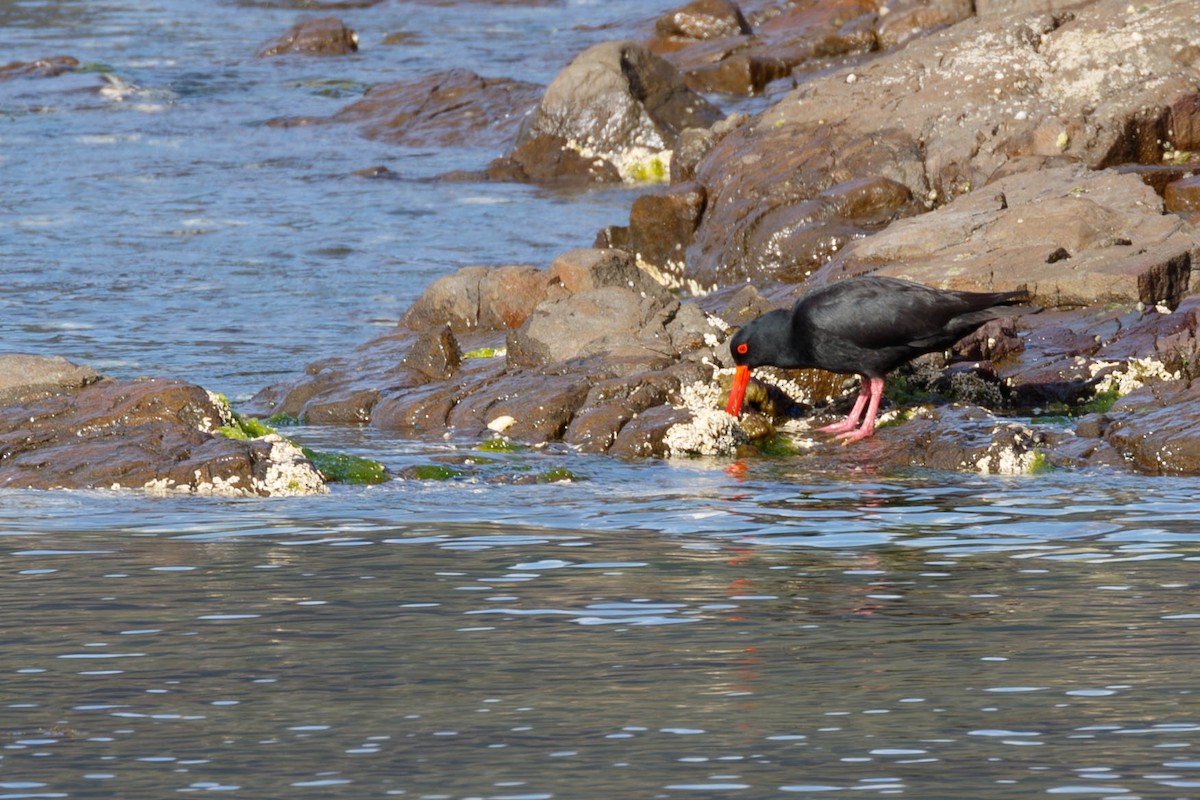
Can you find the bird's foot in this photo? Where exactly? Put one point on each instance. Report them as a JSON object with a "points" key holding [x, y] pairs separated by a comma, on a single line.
{"points": [[844, 426], [856, 435]]}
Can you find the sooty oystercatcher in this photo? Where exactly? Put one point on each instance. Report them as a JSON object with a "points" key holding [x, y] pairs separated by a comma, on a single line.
{"points": [[867, 326]]}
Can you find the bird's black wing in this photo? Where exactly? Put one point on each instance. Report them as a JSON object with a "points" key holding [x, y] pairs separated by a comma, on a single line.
{"points": [[882, 312]]}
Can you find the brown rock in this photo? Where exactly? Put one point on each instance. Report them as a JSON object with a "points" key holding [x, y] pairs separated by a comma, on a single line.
{"points": [[42, 68], [703, 19], [945, 113], [1157, 430], [1185, 121], [548, 159], [1073, 237], [784, 43], [450, 300], [435, 354], [26, 377], [1183, 195], [615, 97], [455, 108], [318, 37], [155, 434], [588, 322], [642, 436], [541, 405], [508, 295], [593, 268], [661, 226]]}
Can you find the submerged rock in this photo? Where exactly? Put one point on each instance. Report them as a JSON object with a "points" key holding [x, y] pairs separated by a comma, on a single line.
{"points": [[326, 36], [42, 68], [63, 426], [454, 108]]}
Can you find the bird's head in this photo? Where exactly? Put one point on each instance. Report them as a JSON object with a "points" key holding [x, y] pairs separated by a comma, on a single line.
{"points": [[741, 348]]}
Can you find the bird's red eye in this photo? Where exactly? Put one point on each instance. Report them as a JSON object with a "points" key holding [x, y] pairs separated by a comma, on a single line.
{"points": [[743, 348]]}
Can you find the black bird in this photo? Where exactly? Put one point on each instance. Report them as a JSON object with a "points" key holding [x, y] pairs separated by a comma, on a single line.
{"points": [[867, 326]]}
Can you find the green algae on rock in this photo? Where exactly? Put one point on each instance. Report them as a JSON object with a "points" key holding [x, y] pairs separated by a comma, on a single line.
{"points": [[344, 468]]}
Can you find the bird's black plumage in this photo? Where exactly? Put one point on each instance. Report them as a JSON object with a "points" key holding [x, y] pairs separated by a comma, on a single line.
{"points": [[868, 326]]}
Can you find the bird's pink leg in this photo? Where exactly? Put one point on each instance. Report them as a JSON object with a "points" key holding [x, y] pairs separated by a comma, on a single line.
{"points": [[851, 421], [875, 388]]}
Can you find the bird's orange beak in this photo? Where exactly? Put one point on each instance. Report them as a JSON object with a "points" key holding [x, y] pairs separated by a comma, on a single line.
{"points": [[738, 392]]}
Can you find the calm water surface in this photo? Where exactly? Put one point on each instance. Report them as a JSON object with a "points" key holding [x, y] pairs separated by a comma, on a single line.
{"points": [[650, 630]]}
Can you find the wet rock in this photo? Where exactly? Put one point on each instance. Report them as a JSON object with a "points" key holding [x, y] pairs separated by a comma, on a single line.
{"points": [[1183, 195], [88, 432], [481, 298], [744, 62], [618, 102], [1072, 236], [965, 439], [584, 268], [541, 405], [943, 114], [326, 36], [704, 19], [1157, 428], [604, 344], [550, 160], [42, 68], [1173, 339], [644, 435], [661, 226], [456, 108], [585, 323]]}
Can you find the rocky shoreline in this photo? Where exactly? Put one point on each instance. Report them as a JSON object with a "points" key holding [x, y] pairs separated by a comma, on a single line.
{"points": [[1050, 146]]}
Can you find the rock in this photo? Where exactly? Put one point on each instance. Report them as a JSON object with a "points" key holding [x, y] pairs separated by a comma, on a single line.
{"points": [[946, 112], [456, 108], [583, 269], [584, 323], [481, 298], [90, 432], [326, 36], [1183, 195], [704, 19], [42, 68], [550, 160], [435, 354], [644, 435], [964, 439], [1072, 236], [743, 62], [1157, 429], [24, 378], [619, 102], [661, 226]]}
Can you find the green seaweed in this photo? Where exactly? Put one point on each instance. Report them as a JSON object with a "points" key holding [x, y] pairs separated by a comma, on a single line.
{"points": [[433, 472], [343, 468], [780, 446], [499, 444], [652, 171], [900, 391], [1101, 403], [1040, 465], [93, 67], [485, 352], [558, 475], [243, 427], [283, 420]]}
